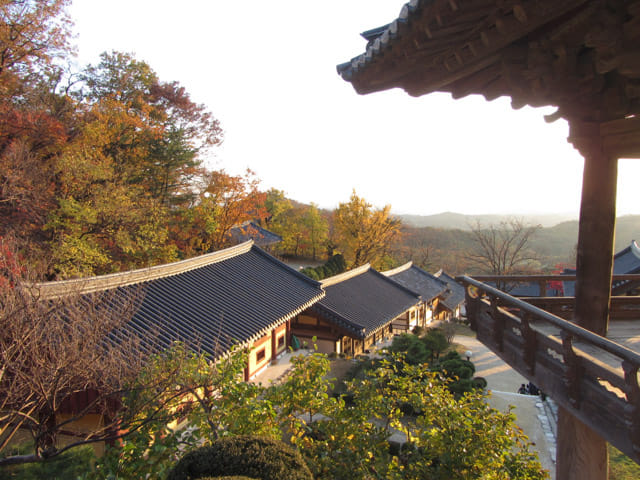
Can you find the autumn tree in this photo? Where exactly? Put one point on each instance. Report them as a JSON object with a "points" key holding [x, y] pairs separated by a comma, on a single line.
{"points": [[34, 117], [504, 248], [364, 234], [52, 349], [130, 172], [162, 152], [317, 228], [232, 199], [276, 205], [33, 34]]}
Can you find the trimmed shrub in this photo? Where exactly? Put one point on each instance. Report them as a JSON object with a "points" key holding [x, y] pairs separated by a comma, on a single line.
{"points": [[255, 457], [233, 477], [334, 266], [435, 341], [461, 387], [451, 355], [462, 369], [479, 382]]}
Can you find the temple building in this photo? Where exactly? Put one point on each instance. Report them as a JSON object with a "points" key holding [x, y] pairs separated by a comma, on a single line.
{"points": [[431, 290], [240, 296], [361, 308]]}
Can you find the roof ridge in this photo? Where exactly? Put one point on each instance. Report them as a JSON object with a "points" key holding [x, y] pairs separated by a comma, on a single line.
{"points": [[401, 268], [60, 288], [341, 277], [397, 284]]}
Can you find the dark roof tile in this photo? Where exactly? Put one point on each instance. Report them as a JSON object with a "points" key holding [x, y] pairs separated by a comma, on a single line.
{"points": [[363, 300], [455, 296], [417, 280], [229, 297]]}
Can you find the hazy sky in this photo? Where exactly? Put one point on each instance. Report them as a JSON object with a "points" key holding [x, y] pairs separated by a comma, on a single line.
{"points": [[267, 71]]}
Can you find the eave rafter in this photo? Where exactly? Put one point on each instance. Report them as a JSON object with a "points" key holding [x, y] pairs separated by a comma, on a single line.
{"points": [[582, 56]]}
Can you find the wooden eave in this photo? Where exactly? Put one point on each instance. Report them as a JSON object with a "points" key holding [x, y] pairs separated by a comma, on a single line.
{"points": [[581, 56]]}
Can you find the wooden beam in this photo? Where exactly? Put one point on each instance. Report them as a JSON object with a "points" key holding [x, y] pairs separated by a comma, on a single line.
{"points": [[621, 138]]}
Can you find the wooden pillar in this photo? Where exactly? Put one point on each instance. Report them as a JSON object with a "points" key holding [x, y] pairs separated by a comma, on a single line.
{"points": [[594, 261], [582, 453]]}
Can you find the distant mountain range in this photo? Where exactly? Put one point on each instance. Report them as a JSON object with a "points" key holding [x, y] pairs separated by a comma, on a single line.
{"points": [[451, 220], [448, 242]]}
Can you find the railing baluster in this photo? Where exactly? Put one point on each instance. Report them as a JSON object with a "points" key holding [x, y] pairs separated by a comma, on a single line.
{"points": [[473, 309], [572, 371], [498, 327], [529, 336], [632, 411]]}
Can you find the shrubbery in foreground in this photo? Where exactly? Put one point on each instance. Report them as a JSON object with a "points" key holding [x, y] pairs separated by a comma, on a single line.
{"points": [[255, 457], [449, 437]]}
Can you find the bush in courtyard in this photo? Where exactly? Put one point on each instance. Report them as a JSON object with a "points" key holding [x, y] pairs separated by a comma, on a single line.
{"points": [[311, 273], [459, 371], [232, 477], [414, 349], [480, 382], [334, 266], [435, 341], [256, 457]]}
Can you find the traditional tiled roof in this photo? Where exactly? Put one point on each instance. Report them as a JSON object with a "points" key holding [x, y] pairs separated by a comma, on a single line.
{"points": [[455, 295], [363, 300], [528, 289], [499, 49], [626, 261], [417, 280], [250, 230], [230, 297], [378, 39]]}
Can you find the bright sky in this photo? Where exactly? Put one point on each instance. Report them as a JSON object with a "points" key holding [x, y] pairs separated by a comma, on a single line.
{"points": [[267, 71]]}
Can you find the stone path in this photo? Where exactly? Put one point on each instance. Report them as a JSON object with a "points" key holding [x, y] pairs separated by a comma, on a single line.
{"points": [[535, 417]]}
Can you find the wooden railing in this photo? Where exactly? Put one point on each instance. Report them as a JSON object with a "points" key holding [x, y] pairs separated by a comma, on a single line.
{"points": [[592, 377], [622, 308]]}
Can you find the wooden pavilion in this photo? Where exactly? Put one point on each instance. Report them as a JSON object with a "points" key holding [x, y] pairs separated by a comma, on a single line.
{"points": [[582, 56]]}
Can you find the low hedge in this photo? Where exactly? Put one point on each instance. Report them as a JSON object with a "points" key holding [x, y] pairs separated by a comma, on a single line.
{"points": [[255, 457]]}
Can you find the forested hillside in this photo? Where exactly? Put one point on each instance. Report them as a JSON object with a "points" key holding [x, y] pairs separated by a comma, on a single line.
{"points": [[460, 221], [104, 168], [435, 248]]}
